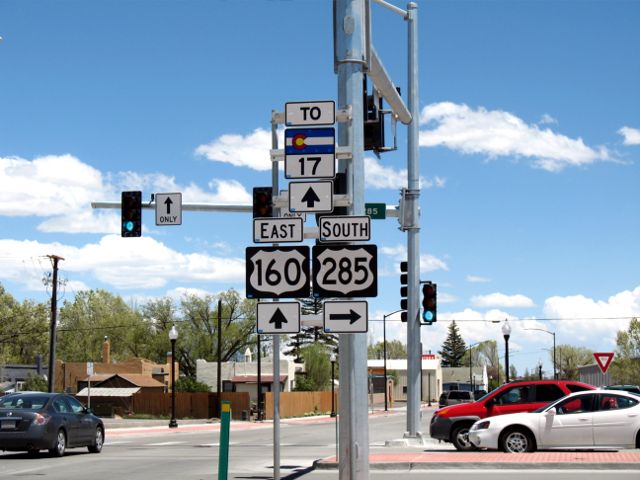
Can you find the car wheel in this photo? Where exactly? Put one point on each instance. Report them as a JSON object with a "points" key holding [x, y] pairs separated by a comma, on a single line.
{"points": [[61, 444], [517, 440], [460, 438], [98, 441]]}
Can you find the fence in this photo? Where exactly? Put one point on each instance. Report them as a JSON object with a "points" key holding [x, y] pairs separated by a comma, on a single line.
{"points": [[190, 405], [298, 404]]}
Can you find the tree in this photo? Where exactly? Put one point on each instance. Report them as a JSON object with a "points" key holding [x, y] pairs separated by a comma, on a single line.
{"points": [[395, 349], [453, 348], [626, 365], [569, 359], [189, 384], [309, 335], [36, 383], [317, 365]]}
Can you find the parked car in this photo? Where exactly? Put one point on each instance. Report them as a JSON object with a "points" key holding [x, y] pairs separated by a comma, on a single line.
{"points": [[36, 421], [626, 388], [591, 419], [453, 397], [451, 424]]}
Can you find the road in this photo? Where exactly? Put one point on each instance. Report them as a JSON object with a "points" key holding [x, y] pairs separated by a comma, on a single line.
{"points": [[191, 453]]}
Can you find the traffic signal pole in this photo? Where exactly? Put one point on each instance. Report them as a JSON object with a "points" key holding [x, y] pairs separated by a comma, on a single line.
{"points": [[351, 55]]}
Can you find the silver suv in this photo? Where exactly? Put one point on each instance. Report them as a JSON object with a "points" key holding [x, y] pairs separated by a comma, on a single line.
{"points": [[453, 397]]}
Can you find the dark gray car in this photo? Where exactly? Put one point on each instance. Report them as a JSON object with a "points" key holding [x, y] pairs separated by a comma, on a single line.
{"points": [[53, 421], [453, 397]]}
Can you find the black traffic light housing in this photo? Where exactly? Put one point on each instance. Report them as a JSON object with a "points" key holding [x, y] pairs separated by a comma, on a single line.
{"points": [[404, 289], [131, 214], [429, 303], [262, 202]]}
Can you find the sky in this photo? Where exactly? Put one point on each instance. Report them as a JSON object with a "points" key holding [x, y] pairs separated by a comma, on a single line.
{"points": [[529, 153]]}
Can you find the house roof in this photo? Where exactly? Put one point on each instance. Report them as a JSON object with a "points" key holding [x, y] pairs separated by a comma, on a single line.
{"points": [[254, 378], [136, 379], [108, 392]]}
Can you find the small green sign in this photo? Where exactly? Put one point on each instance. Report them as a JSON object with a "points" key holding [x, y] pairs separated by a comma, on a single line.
{"points": [[377, 211]]}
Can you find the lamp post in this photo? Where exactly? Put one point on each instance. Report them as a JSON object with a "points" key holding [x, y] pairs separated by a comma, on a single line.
{"points": [[333, 385], [506, 333], [555, 372], [173, 336], [384, 354]]}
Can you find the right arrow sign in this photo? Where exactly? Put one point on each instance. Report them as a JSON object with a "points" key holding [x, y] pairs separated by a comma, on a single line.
{"points": [[603, 359], [346, 317]]}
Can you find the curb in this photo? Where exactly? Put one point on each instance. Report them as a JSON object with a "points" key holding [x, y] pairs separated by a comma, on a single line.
{"points": [[322, 465]]}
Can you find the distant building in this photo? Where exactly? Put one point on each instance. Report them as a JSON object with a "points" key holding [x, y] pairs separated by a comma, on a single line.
{"points": [[12, 376], [461, 378], [592, 375], [431, 378]]}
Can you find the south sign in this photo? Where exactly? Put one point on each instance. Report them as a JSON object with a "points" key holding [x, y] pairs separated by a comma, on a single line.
{"points": [[345, 228]]}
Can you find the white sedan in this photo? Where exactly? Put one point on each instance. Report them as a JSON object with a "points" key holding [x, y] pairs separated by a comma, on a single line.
{"points": [[590, 419]]}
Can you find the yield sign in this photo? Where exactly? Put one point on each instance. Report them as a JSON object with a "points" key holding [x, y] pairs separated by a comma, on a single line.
{"points": [[603, 359]]}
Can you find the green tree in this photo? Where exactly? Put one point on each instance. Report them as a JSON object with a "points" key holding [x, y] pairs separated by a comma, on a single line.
{"points": [[626, 365], [395, 350], [569, 359], [453, 348], [36, 383], [159, 315], [189, 384], [309, 335], [317, 366]]}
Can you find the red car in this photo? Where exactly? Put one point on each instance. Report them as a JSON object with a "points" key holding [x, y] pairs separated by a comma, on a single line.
{"points": [[452, 424]]}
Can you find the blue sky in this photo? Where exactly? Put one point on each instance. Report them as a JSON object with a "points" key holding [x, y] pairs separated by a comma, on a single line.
{"points": [[529, 134]]}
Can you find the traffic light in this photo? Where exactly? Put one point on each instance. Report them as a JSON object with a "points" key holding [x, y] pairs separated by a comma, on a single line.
{"points": [[429, 303], [403, 289], [131, 214], [262, 202]]}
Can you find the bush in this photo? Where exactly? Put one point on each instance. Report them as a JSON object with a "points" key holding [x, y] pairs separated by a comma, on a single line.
{"points": [[188, 384], [36, 383]]}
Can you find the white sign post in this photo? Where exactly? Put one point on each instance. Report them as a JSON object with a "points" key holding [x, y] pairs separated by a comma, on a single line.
{"points": [[313, 197], [278, 230], [345, 228], [168, 208], [346, 317], [321, 112]]}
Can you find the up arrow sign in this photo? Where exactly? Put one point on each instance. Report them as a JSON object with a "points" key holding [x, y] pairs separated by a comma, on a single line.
{"points": [[168, 203], [168, 208], [278, 317], [313, 197]]}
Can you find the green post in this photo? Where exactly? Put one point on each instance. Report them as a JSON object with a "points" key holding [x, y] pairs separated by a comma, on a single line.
{"points": [[223, 457]]}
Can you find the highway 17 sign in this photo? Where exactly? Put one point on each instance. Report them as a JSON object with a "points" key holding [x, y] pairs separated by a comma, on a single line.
{"points": [[278, 230], [345, 271], [168, 208], [345, 317], [278, 317], [277, 272], [310, 153], [345, 228], [321, 112], [314, 197]]}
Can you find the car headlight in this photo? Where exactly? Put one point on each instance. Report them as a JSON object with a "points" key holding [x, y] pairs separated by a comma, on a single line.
{"points": [[481, 425]]}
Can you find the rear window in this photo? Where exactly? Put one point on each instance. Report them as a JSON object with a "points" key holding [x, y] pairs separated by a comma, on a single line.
{"points": [[572, 387], [459, 395], [548, 393], [23, 402]]}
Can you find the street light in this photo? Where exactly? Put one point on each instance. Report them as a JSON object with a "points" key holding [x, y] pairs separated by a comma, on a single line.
{"points": [[506, 333], [173, 336], [333, 385], [555, 373], [384, 354]]}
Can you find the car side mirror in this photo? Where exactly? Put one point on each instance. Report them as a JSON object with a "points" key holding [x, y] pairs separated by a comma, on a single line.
{"points": [[550, 413], [87, 410]]}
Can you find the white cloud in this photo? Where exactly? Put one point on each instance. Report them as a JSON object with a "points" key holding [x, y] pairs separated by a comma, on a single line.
{"points": [[498, 133], [477, 279], [631, 135], [501, 300], [380, 176], [428, 263], [124, 263], [250, 150], [547, 119]]}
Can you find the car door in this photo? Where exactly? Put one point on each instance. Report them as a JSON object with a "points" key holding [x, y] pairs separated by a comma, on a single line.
{"points": [[68, 419], [568, 424], [513, 400], [86, 425], [614, 420]]}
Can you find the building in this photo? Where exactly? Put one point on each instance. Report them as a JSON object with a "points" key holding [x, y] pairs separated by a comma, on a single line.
{"points": [[12, 376], [431, 378], [462, 378], [592, 375]]}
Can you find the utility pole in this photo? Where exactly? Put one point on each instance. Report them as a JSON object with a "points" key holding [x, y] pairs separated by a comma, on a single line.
{"points": [[351, 56], [54, 318], [219, 373]]}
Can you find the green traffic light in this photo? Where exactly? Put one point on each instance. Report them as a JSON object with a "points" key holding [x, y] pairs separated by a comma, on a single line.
{"points": [[427, 315], [128, 226]]}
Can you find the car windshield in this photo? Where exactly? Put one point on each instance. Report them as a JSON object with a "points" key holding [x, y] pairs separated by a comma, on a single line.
{"points": [[23, 402]]}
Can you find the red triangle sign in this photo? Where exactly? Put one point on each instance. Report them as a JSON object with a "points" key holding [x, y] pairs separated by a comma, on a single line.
{"points": [[603, 359]]}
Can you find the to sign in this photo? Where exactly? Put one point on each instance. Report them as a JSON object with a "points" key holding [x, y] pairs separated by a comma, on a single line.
{"points": [[168, 208], [310, 113], [344, 228], [278, 230], [316, 197], [346, 317], [603, 359], [345, 271], [278, 317], [277, 272]]}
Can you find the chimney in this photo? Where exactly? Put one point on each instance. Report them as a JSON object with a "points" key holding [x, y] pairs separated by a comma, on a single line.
{"points": [[106, 350]]}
